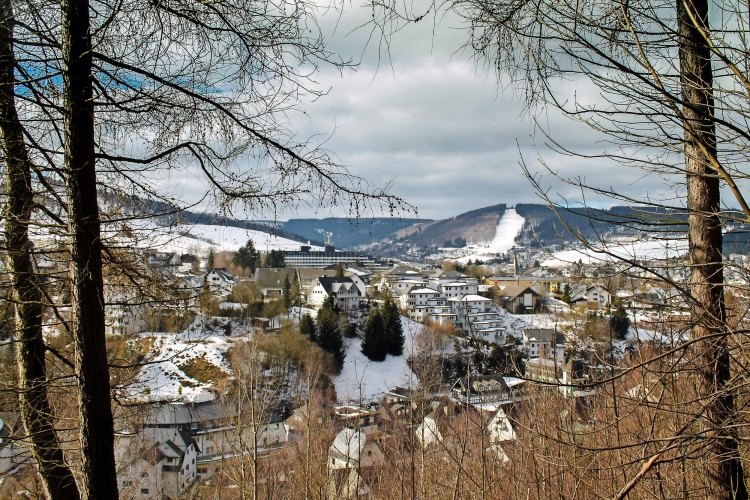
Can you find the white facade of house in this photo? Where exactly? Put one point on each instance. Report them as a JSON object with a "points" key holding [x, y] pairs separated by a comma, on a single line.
{"points": [[220, 281], [346, 295], [155, 463]]}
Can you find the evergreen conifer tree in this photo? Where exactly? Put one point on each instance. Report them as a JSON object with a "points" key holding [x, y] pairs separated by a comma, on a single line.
{"points": [[328, 304], [329, 336], [286, 292], [296, 292], [394, 331], [307, 326], [374, 342], [246, 256], [619, 320], [210, 262]]}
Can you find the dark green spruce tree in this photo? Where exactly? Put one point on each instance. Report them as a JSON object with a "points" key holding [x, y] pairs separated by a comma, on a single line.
{"points": [[394, 331], [286, 292], [619, 320], [307, 326], [374, 341], [246, 256], [329, 336]]}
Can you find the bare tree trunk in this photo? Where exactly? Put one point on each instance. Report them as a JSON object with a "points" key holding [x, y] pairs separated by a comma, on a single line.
{"points": [[36, 413], [96, 428], [724, 468]]}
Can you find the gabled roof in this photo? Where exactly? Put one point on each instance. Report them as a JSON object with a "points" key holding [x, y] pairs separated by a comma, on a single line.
{"points": [[273, 277], [511, 292], [332, 284], [222, 271]]}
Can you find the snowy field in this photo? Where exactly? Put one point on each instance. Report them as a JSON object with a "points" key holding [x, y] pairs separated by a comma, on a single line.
{"points": [[639, 249], [164, 378], [362, 381], [203, 237]]}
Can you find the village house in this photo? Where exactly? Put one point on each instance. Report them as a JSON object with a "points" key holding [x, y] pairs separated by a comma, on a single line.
{"points": [[346, 295], [520, 299], [212, 425], [595, 294], [13, 451], [538, 343], [156, 462], [220, 281], [270, 280], [485, 391]]}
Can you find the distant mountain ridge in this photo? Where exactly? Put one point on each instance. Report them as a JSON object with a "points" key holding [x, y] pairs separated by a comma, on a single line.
{"points": [[349, 233]]}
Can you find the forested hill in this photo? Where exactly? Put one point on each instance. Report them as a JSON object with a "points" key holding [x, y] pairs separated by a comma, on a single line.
{"points": [[545, 226], [474, 226], [348, 233]]}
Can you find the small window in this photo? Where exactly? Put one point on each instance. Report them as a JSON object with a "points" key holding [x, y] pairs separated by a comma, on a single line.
{"points": [[127, 484], [144, 491]]}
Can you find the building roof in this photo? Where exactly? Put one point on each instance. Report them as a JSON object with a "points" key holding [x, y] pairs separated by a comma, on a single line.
{"points": [[451, 274], [511, 292], [222, 271], [423, 290], [273, 277], [332, 284], [469, 297]]}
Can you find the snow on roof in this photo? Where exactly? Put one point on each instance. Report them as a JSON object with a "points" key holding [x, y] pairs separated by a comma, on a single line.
{"points": [[423, 290], [348, 444]]}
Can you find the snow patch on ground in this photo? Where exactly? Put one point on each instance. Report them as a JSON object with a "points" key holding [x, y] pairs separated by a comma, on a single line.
{"points": [[363, 381], [637, 250], [205, 237], [164, 379]]}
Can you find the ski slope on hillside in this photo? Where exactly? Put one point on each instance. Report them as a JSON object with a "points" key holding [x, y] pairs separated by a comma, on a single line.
{"points": [[508, 229]]}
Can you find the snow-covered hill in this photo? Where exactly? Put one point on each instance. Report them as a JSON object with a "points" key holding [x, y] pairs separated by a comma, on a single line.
{"points": [[201, 238]]}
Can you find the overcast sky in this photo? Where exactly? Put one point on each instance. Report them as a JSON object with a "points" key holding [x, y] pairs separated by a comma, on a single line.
{"points": [[440, 127]]}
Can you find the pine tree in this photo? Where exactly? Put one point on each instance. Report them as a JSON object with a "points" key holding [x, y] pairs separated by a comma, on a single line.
{"points": [[210, 262], [340, 270], [329, 336], [619, 320], [374, 342], [566, 293], [296, 292], [286, 292], [328, 304], [394, 331], [307, 326], [246, 256]]}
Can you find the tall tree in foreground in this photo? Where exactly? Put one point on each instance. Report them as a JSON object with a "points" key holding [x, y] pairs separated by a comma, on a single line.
{"points": [[36, 412], [96, 431], [119, 95], [662, 110]]}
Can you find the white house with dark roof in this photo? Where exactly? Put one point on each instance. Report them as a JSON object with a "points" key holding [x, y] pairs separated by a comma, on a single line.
{"points": [[156, 463], [220, 281], [592, 294], [346, 295]]}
